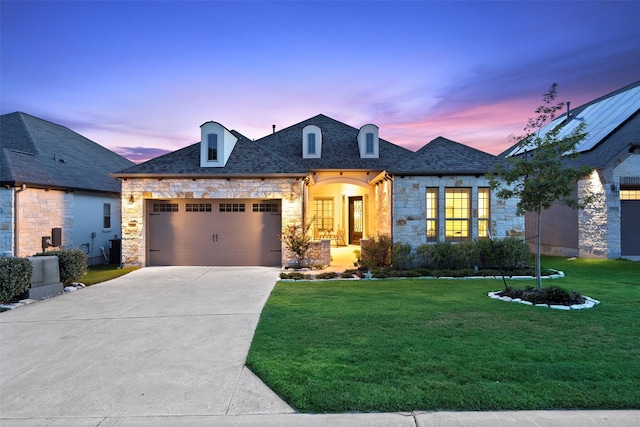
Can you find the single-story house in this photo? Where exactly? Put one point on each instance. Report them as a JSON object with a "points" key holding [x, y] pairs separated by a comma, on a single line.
{"points": [[225, 199], [55, 189], [610, 226]]}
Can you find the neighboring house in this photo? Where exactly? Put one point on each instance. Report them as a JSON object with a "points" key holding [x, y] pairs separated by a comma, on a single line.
{"points": [[225, 199], [53, 178], [610, 226]]}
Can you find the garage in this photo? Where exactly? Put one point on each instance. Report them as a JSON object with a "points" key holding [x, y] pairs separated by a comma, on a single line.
{"points": [[224, 232]]}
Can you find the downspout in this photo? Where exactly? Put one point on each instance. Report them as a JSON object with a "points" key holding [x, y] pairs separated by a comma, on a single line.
{"points": [[16, 220]]}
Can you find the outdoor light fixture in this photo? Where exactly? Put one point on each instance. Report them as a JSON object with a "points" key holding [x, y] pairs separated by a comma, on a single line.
{"points": [[131, 199]]}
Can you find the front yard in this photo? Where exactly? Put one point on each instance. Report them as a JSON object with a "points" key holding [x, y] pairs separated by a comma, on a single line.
{"points": [[403, 345]]}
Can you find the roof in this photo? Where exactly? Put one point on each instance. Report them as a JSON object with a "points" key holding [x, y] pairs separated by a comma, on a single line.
{"points": [[279, 153], [442, 156], [47, 155], [613, 125]]}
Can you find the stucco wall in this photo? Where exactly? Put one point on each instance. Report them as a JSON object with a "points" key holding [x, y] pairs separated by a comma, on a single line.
{"points": [[409, 208], [133, 225]]}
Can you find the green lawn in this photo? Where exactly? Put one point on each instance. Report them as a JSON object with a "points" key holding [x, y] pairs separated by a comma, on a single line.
{"points": [[402, 345], [102, 273]]}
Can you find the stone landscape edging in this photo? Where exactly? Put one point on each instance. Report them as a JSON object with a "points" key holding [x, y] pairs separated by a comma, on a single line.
{"points": [[588, 303]]}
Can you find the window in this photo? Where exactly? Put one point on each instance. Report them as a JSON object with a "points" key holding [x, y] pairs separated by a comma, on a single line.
{"points": [[311, 143], [629, 194], [106, 215], [457, 214], [484, 204], [432, 214], [165, 207], [324, 214], [198, 207], [369, 146], [232, 207], [266, 207], [212, 147]]}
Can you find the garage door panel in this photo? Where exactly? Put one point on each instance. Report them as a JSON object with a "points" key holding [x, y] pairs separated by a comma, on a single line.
{"points": [[630, 227], [214, 232]]}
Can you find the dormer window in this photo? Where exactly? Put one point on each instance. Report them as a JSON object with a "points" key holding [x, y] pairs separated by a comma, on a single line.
{"points": [[368, 142], [216, 145], [311, 142], [212, 147]]}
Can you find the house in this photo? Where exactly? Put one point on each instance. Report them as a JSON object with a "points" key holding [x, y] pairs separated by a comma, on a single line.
{"points": [[225, 199], [55, 189], [610, 226]]}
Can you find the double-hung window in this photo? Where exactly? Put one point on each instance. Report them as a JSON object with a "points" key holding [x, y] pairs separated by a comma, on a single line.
{"points": [[324, 214], [106, 215], [457, 213]]}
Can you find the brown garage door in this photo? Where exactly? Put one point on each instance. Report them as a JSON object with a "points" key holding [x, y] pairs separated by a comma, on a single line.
{"points": [[214, 232]]}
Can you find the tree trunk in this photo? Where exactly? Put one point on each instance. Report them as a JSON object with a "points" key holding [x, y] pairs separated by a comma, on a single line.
{"points": [[539, 237]]}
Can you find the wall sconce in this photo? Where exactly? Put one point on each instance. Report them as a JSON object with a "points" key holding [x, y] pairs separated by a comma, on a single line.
{"points": [[131, 199], [614, 188]]}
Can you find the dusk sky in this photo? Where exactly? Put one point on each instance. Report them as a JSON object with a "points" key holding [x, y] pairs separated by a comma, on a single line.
{"points": [[140, 77]]}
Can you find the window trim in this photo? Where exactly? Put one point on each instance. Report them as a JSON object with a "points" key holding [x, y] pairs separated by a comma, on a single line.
{"points": [[212, 138]]}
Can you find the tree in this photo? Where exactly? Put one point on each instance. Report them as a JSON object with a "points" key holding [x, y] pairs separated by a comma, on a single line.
{"points": [[297, 240], [540, 174]]}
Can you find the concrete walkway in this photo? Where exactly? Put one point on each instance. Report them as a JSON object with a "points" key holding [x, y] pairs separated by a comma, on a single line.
{"points": [[166, 346]]}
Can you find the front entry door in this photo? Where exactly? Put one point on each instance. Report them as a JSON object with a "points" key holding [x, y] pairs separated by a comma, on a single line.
{"points": [[356, 220]]}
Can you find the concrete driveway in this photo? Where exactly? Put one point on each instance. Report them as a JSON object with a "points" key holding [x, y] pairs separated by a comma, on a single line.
{"points": [[159, 341]]}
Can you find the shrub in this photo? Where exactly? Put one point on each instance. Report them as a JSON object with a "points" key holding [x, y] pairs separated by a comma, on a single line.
{"points": [[510, 253], [376, 252], [72, 263], [15, 277], [424, 255], [401, 256], [553, 295], [294, 276], [327, 275]]}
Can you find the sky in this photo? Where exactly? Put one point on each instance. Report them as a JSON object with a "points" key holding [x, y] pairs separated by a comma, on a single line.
{"points": [[140, 77]]}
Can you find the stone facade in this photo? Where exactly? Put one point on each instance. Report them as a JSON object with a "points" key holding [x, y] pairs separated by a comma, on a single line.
{"points": [[599, 222], [289, 190], [594, 221], [409, 208]]}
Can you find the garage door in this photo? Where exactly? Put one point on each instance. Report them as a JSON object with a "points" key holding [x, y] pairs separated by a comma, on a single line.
{"points": [[630, 227], [214, 232]]}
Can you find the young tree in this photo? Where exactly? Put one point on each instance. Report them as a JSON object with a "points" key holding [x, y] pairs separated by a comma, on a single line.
{"points": [[540, 175]]}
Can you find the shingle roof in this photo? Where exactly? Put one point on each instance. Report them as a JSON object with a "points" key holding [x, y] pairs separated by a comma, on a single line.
{"points": [[443, 156], [277, 153], [43, 154], [247, 158]]}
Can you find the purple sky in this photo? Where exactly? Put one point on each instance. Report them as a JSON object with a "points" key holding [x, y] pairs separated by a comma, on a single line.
{"points": [[141, 77]]}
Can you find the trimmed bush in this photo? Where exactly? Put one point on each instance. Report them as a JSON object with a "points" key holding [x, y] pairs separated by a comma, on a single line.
{"points": [[15, 277], [401, 255], [72, 263]]}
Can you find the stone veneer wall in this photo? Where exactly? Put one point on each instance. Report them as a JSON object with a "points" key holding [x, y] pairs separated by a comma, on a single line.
{"points": [[39, 211], [409, 208], [593, 220], [383, 207], [133, 224], [599, 222]]}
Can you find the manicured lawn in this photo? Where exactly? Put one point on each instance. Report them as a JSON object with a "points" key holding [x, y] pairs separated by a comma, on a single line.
{"points": [[403, 345], [102, 273]]}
